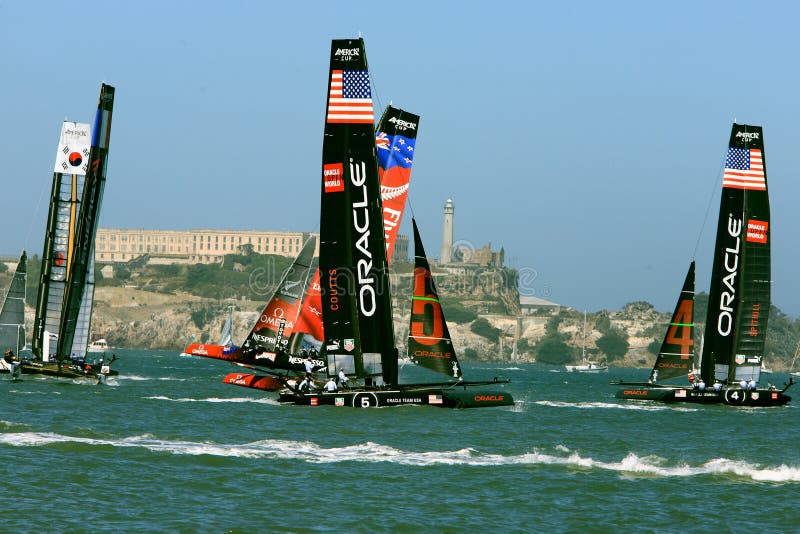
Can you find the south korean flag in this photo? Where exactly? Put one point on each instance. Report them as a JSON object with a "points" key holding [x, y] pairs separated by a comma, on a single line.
{"points": [[73, 148]]}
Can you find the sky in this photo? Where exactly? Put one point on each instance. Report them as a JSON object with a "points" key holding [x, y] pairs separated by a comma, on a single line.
{"points": [[586, 138]]}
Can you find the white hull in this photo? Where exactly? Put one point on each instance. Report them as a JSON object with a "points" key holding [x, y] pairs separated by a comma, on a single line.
{"points": [[587, 368]]}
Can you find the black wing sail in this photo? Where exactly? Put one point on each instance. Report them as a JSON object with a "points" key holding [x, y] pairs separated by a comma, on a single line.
{"points": [[739, 297], [676, 355], [356, 303], [429, 343], [81, 263]]}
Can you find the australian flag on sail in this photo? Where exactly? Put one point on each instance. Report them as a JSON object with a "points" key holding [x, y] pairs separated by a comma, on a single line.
{"points": [[350, 98], [744, 169]]}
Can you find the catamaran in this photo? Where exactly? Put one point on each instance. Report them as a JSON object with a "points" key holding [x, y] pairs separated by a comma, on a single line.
{"points": [[266, 345], [739, 299], [303, 331], [66, 289], [353, 264]]}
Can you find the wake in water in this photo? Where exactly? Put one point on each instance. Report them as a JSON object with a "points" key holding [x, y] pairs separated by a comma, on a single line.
{"points": [[613, 406], [263, 400], [630, 465]]}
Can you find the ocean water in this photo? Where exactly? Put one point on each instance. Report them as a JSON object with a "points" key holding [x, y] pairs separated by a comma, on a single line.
{"points": [[166, 446]]}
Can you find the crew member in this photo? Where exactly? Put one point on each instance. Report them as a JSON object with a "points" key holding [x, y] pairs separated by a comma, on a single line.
{"points": [[691, 377], [309, 366], [330, 385], [743, 383], [717, 385], [701, 385], [752, 384], [342, 378]]}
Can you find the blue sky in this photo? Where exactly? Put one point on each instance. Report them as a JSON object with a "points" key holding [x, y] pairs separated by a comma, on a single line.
{"points": [[587, 138]]}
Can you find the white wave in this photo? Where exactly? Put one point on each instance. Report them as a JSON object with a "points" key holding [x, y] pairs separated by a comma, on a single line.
{"points": [[615, 406], [173, 379], [133, 377], [630, 465], [264, 400]]}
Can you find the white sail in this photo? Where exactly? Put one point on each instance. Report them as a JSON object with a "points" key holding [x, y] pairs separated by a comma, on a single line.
{"points": [[80, 342], [226, 336], [12, 313]]}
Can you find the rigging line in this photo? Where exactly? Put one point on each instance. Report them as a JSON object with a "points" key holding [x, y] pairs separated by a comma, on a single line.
{"points": [[711, 197], [35, 213]]}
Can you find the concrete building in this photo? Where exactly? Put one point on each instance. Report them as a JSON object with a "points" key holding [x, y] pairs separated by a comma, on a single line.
{"points": [[192, 246], [203, 246]]}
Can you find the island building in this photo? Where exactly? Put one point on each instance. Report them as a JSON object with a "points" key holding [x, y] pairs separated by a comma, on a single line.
{"points": [[203, 246]]}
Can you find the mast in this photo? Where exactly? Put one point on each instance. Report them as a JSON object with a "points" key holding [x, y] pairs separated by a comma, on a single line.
{"points": [[356, 301], [583, 350], [12, 313], [676, 355], [429, 342], [82, 261], [739, 297], [72, 160]]}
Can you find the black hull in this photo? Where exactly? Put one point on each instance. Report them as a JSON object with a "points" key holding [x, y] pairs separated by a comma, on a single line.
{"points": [[420, 396], [65, 371], [730, 396]]}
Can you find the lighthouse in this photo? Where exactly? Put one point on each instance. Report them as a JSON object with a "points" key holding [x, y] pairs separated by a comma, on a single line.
{"points": [[447, 235]]}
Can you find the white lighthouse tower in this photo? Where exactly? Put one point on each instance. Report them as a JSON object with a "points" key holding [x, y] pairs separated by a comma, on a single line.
{"points": [[447, 236]]}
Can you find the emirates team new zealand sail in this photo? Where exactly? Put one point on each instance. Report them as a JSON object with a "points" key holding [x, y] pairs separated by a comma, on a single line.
{"points": [[356, 298], [739, 298]]}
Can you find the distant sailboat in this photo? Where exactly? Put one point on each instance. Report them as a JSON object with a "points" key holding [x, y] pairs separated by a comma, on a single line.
{"points": [[586, 366], [12, 319], [736, 328], [226, 335]]}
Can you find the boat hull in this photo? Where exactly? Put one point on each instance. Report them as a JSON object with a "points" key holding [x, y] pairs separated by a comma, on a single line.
{"points": [[729, 396], [374, 398], [65, 371], [264, 383]]}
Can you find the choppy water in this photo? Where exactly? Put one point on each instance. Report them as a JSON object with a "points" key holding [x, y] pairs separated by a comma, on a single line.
{"points": [[168, 447]]}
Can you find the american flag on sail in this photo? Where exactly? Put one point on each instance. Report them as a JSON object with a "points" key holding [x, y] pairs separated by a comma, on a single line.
{"points": [[744, 169], [350, 99]]}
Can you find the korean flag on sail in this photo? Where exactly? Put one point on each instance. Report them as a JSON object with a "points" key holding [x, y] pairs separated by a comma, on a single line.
{"points": [[73, 148]]}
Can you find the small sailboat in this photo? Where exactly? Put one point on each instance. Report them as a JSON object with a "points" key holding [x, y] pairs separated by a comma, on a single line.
{"points": [[586, 366], [739, 299], [66, 290], [12, 320], [356, 296]]}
